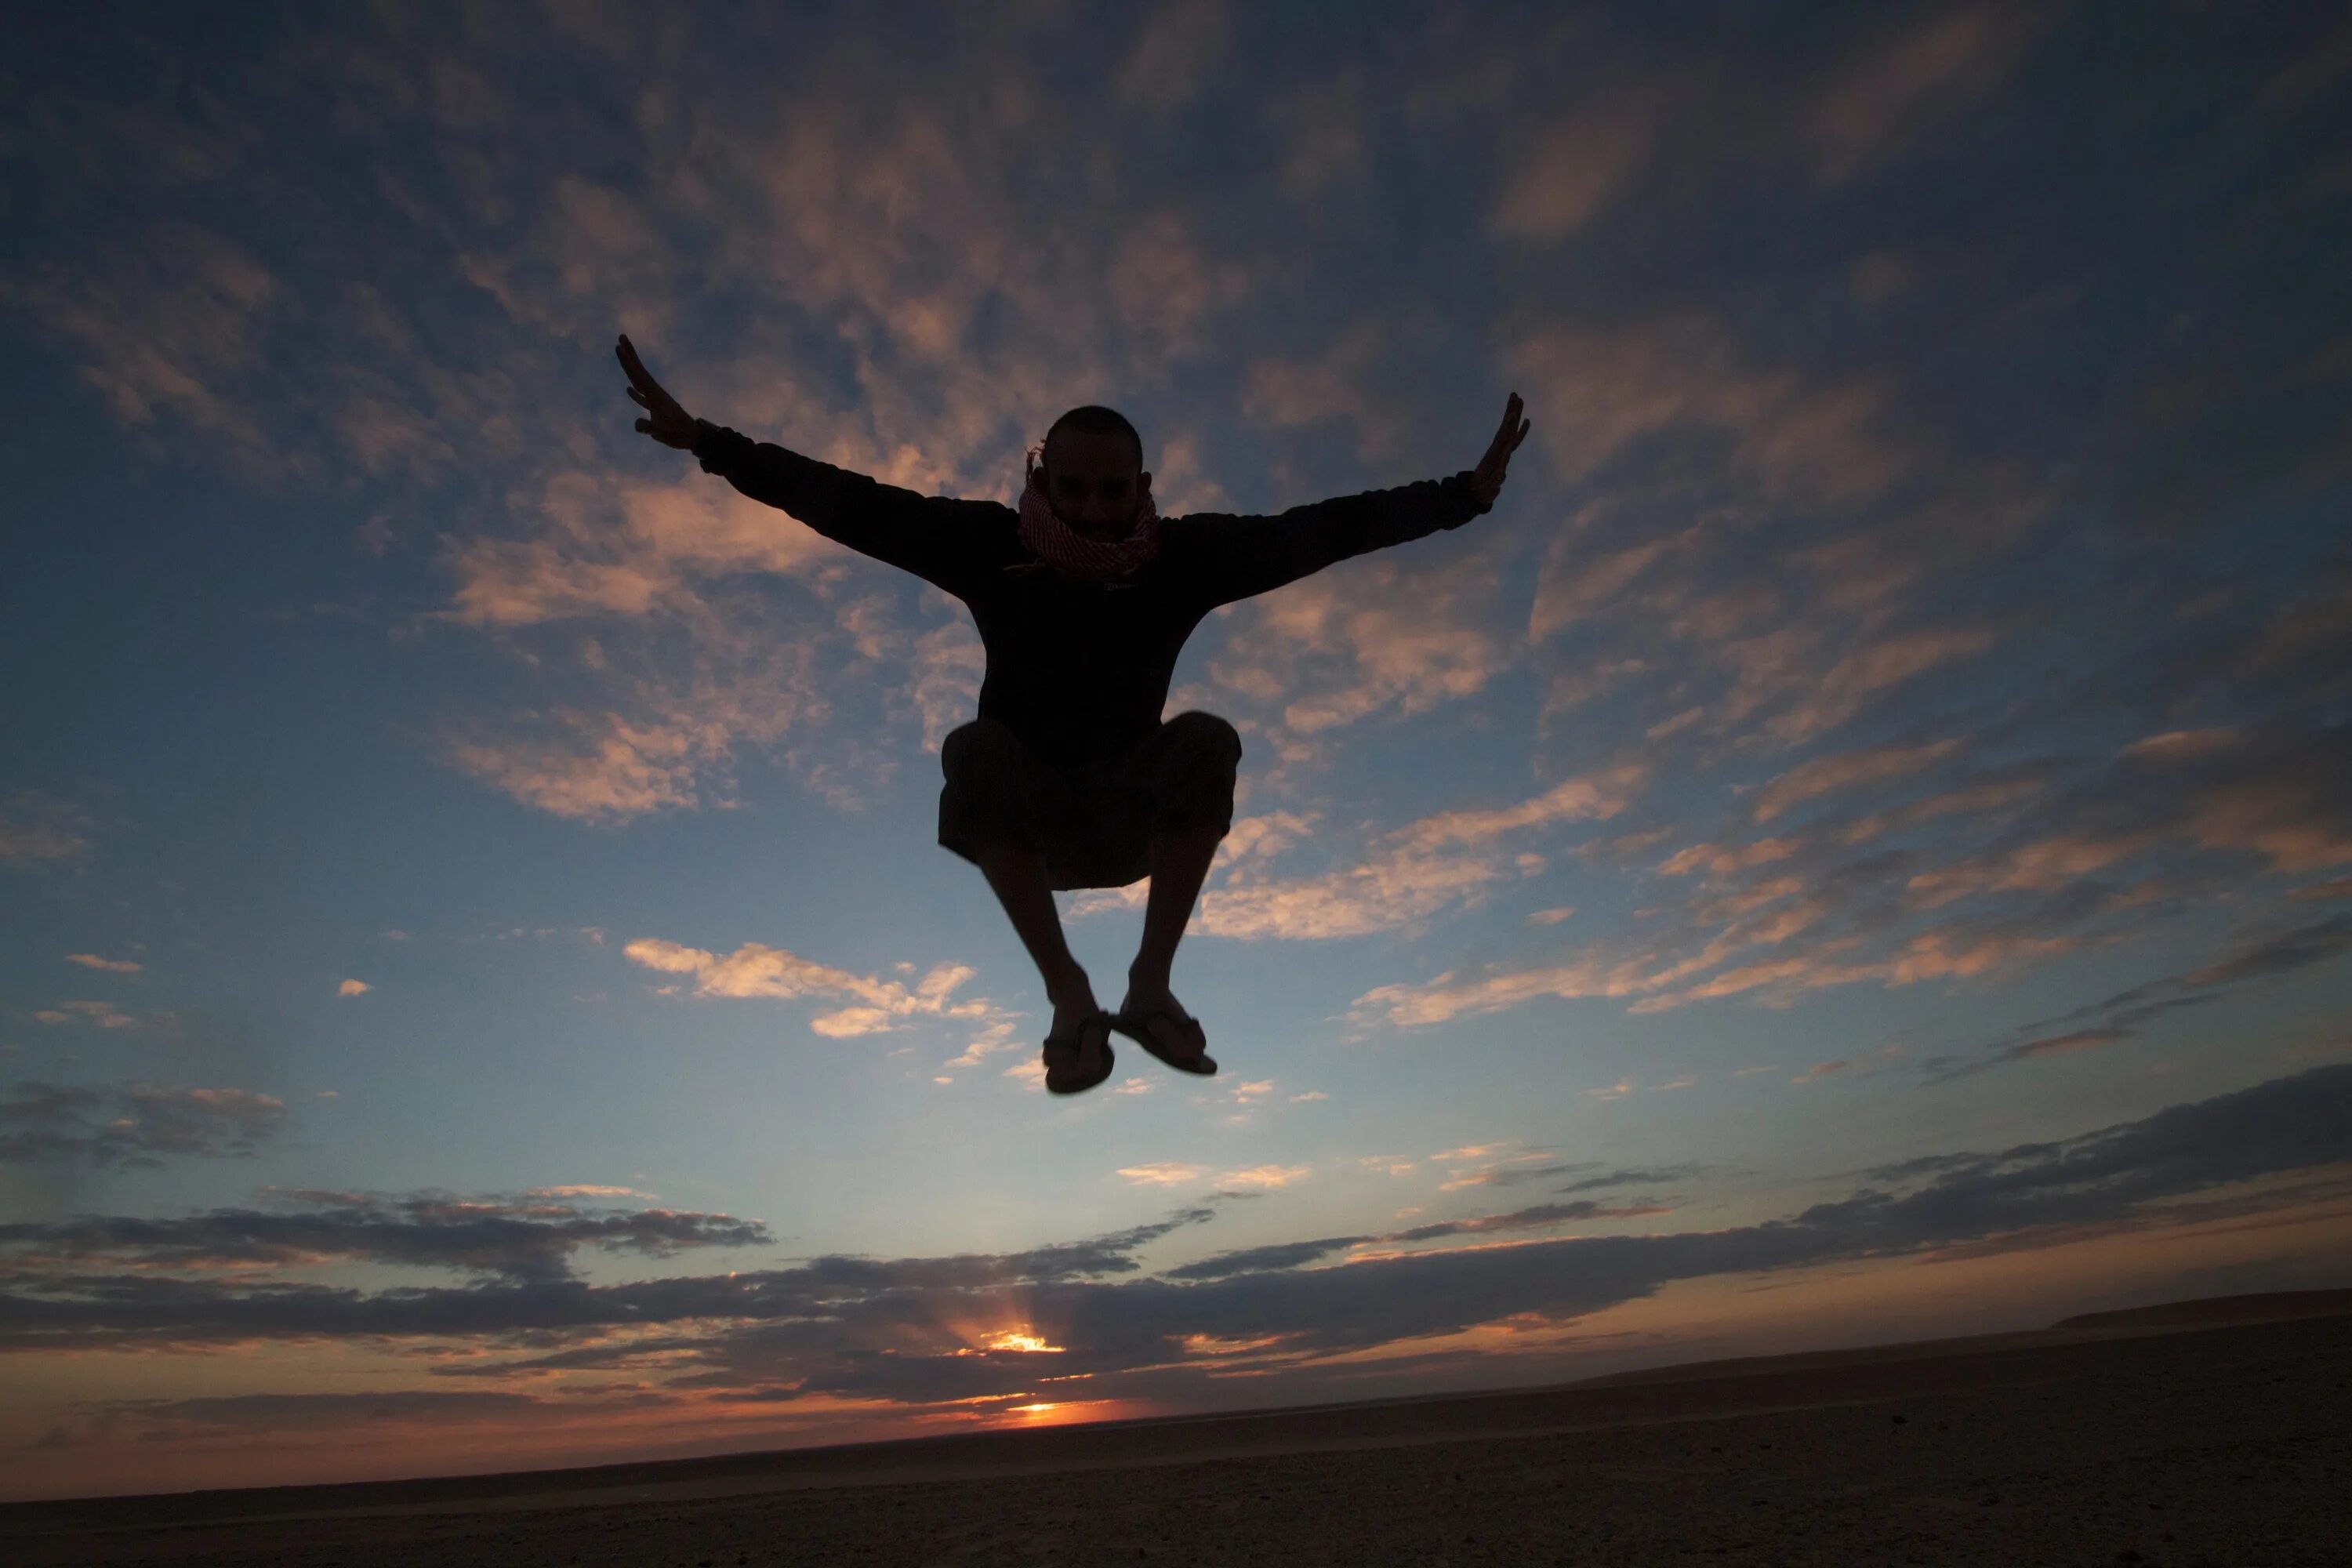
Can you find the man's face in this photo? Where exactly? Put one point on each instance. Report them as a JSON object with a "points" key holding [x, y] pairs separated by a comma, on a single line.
{"points": [[1094, 483]]}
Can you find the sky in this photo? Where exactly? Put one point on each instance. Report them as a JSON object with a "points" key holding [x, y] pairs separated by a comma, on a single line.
{"points": [[1853, 848]]}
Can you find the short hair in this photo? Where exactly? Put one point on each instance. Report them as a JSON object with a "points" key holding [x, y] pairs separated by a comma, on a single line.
{"points": [[1094, 419]]}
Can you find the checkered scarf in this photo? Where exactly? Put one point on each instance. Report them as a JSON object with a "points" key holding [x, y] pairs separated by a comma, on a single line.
{"points": [[1057, 545]]}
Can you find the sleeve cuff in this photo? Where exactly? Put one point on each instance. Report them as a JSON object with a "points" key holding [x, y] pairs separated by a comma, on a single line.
{"points": [[1457, 489], [718, 447]]}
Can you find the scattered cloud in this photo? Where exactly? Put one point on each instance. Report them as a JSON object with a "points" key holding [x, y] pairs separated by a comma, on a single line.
{"points": [[2254, 958], [104, 1015], [1162, 1174], [755, 969], [1263, 1178], [172, 326], [814, 1328], [517, 1240], [133, 1125], [1848, 770], [35, 830], [1894, 88]]}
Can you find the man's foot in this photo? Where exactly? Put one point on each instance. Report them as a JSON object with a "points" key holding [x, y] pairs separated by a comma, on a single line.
{"points": [[1078, 1044], [1154, 1019]]}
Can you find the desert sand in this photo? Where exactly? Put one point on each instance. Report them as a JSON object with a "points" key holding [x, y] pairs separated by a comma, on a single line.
{"points": [[2215, 1432]]}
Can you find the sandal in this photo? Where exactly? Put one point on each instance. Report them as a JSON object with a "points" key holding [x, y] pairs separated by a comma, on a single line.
{"points": [[1069, 1078], [1191, 1056]]}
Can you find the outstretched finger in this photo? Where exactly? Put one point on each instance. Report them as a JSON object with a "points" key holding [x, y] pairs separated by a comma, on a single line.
{"points": [[636, 367]]}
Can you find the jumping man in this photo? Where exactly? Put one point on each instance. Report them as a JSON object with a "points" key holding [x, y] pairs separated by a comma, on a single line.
{"points": [[1084, 596]]}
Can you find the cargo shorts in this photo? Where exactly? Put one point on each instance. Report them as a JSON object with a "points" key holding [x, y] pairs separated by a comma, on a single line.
{"points": [[1093, 822]]}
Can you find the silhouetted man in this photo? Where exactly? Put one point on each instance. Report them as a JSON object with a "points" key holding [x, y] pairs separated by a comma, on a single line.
{"points": [[1084, 596]]}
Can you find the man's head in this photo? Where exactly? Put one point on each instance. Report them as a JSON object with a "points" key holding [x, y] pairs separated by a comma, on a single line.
{"points": [[1093, 472]]}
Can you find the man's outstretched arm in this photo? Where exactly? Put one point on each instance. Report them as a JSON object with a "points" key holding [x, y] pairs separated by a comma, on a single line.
{"points": [[1256, 554], [939, 540]]}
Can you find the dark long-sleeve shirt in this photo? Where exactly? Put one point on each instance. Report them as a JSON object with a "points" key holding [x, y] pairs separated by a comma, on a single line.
{"points": [[1077, 671]]}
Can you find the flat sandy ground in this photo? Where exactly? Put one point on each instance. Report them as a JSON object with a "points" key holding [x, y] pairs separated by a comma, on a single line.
{"points": [[2138, 1438]]}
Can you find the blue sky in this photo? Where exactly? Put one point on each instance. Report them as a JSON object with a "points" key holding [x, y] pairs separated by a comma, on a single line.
{"points": [[1852, 846]]}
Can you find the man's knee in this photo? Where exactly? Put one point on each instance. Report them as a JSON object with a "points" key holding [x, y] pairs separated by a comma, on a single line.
{"points": [[1206, 735], [984, 804], [983, 744], [1196, 779]]}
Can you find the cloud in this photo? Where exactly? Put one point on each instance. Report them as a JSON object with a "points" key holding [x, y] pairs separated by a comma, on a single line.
{"points": [[2257, 796], [1391, 890], [1162, 1174], [1574, 585], [1828, 775], [1568, 171], [1409, 879], [1645, 972], [1989, 796], [1338, 383], [1180, 46], [34, 829], [603, 767], [2252, 959], [1609, 388], [528, 1239], [1720, 861], [173, 325], [1167, 289], [1592, 798], [1323, 131], [134, 1125], [950, 662], [105, 1015], [1842, 691], [756, 970], [918, 1330], [111, 965], [2051, 862], [1630, 1177], [1891, 90], [353, 988], [1263, 1178], [158, 1420], [1843, 1066], [610, 544]]}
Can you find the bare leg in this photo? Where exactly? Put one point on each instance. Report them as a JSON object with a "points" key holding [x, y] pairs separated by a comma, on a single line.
{"points": [[1018, 877], [1179, 864]]}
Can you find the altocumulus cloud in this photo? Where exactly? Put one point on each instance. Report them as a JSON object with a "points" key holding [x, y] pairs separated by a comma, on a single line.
{"points": [[757, 970]]}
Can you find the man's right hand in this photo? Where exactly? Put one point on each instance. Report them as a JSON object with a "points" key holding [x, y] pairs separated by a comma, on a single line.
{"points": [[667, 423]]}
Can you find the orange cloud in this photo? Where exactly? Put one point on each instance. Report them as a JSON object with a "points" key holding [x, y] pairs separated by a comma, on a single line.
{"points": [[1164, 1174], [1828, 775], [1264, 1177], [756, 970]]}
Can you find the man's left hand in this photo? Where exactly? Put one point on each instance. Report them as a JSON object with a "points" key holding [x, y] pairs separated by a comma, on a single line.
{"points": [[1486, 480]]}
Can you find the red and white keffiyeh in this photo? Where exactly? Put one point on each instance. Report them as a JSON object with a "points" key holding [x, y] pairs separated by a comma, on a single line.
{"points": [[1056, 544]]}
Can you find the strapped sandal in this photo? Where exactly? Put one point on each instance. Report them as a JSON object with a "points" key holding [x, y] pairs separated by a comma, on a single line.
{"points": [[1070, 1077], [1190, 1056]]}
